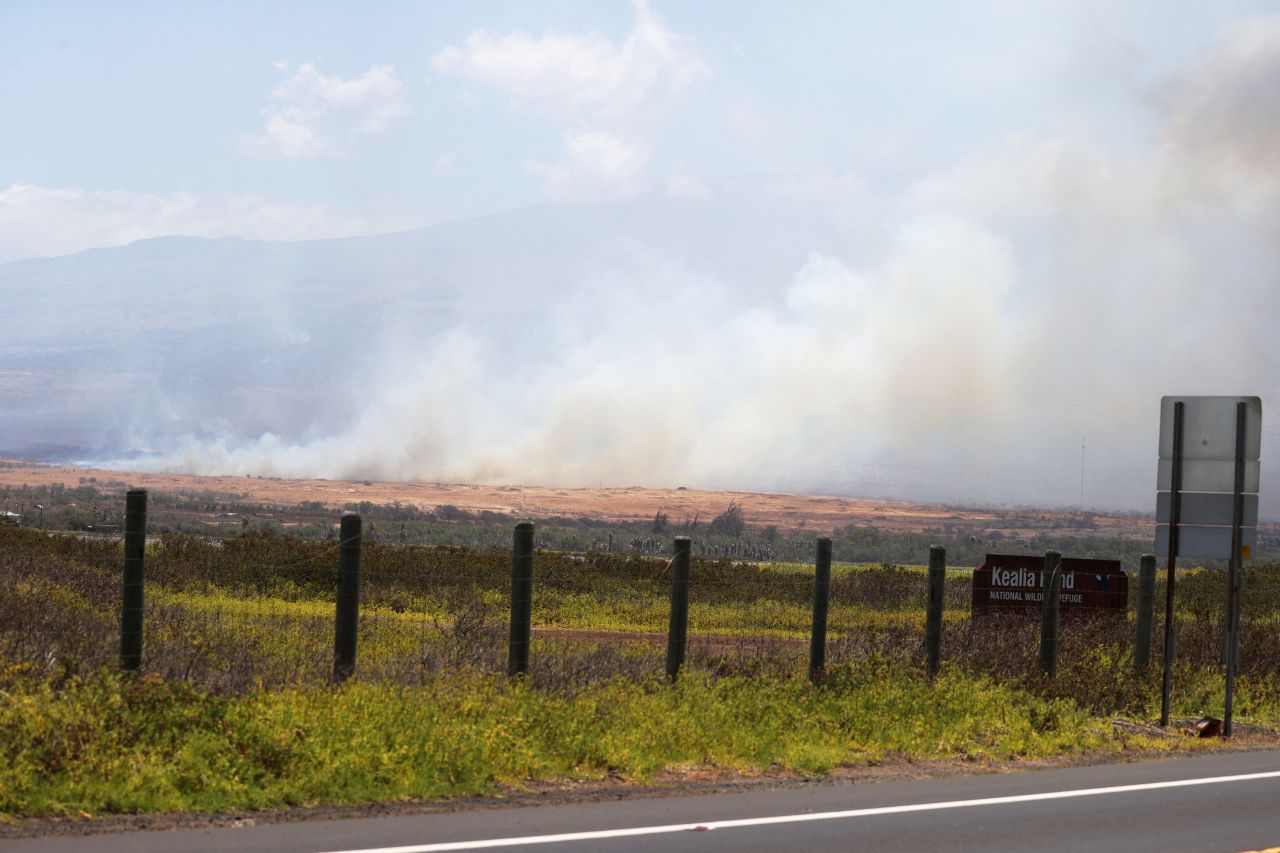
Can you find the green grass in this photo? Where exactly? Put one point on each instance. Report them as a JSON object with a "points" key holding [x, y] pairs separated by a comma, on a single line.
{"points": [[114, 744], [233, 709]]}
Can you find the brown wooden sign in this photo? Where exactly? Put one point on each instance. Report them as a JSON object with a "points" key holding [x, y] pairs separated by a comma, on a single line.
{"points": [[1007, 582]]}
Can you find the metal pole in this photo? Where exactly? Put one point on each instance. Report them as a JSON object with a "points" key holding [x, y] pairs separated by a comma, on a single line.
{"points": [[1175, 517], [1049, 613], [1233, 570], [521, 599], [135, 546], [678, 627], [348, 610], [933, 609], [1146, 592], [821, 598]]}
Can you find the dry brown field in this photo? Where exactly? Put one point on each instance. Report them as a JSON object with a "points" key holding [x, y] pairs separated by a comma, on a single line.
{"points": [[631, 503]]}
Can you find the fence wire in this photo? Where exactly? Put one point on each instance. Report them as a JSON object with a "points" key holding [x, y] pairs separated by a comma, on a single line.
{"points": [[259, 611]]}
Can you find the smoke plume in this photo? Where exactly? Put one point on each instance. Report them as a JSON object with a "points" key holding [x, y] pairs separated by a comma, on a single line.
{"points": [[954, 336]]}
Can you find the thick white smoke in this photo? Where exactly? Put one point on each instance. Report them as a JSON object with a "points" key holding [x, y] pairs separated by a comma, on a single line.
{"points": [[699, 387], [957, 342]]}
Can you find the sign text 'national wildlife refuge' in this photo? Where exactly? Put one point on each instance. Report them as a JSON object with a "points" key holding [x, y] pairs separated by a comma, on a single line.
{"points": [[1008, 582]]}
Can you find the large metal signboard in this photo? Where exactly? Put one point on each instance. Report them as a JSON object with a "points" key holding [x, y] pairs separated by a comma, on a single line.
{"points": [[1007, 583], [1207, 484], [1195, 540], [1209, 428], [1205, 508], [1207, 502]]}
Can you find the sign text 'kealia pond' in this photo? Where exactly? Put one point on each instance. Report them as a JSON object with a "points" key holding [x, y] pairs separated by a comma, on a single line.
{"points": [[1011, 582]]}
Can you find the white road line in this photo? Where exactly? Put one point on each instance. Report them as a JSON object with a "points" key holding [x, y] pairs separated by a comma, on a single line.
{"points": [[804, 818]]}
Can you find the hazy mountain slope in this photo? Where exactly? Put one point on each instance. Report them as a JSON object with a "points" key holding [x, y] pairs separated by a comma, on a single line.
{"points": [[179, 333], [770, 336]]}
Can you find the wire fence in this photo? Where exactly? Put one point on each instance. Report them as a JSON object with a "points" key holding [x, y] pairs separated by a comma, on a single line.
{"points": [[259, 611]]}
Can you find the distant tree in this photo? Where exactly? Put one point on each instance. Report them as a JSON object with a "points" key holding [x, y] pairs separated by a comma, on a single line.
{"points": [[731, 522], [76, 518], [660, 522]]}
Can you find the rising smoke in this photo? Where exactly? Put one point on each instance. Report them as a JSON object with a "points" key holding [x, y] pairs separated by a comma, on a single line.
{"points": [[954, 339]]}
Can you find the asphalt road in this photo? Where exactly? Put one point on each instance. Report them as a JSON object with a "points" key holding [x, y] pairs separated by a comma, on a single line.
{"points": [[1228, 802]]}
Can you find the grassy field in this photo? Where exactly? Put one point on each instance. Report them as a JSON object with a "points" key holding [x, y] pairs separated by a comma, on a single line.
{"points": [[233, 708], [107, 744]]}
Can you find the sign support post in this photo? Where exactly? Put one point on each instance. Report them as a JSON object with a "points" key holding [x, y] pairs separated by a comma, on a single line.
{"points": [[1234, 569], [1175, 512], [1207, 502]]}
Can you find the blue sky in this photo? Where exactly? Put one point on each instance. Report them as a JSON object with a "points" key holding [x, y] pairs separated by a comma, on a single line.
{"points": [[319, 119]]}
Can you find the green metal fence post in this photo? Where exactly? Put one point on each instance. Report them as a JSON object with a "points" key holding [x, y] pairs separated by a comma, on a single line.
{"points": [[348, 611], [678, 628], [135, 546], [821, 597], [933, 613], [521, 599], [1146, 597], [1049, 612]]}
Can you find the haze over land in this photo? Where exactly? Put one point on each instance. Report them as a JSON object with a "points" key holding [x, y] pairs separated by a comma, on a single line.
{"points": [[929, 282]]}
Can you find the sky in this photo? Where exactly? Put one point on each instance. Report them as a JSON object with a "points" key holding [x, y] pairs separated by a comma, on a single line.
{"points": [[1046, 216], [294, 120]]}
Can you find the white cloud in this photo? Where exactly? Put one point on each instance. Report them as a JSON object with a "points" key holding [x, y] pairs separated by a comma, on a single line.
{"points": [[40, 221], [600, 88], [290, 136], [579, 75], [597, 164], [447, 162], [313, 114]]}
